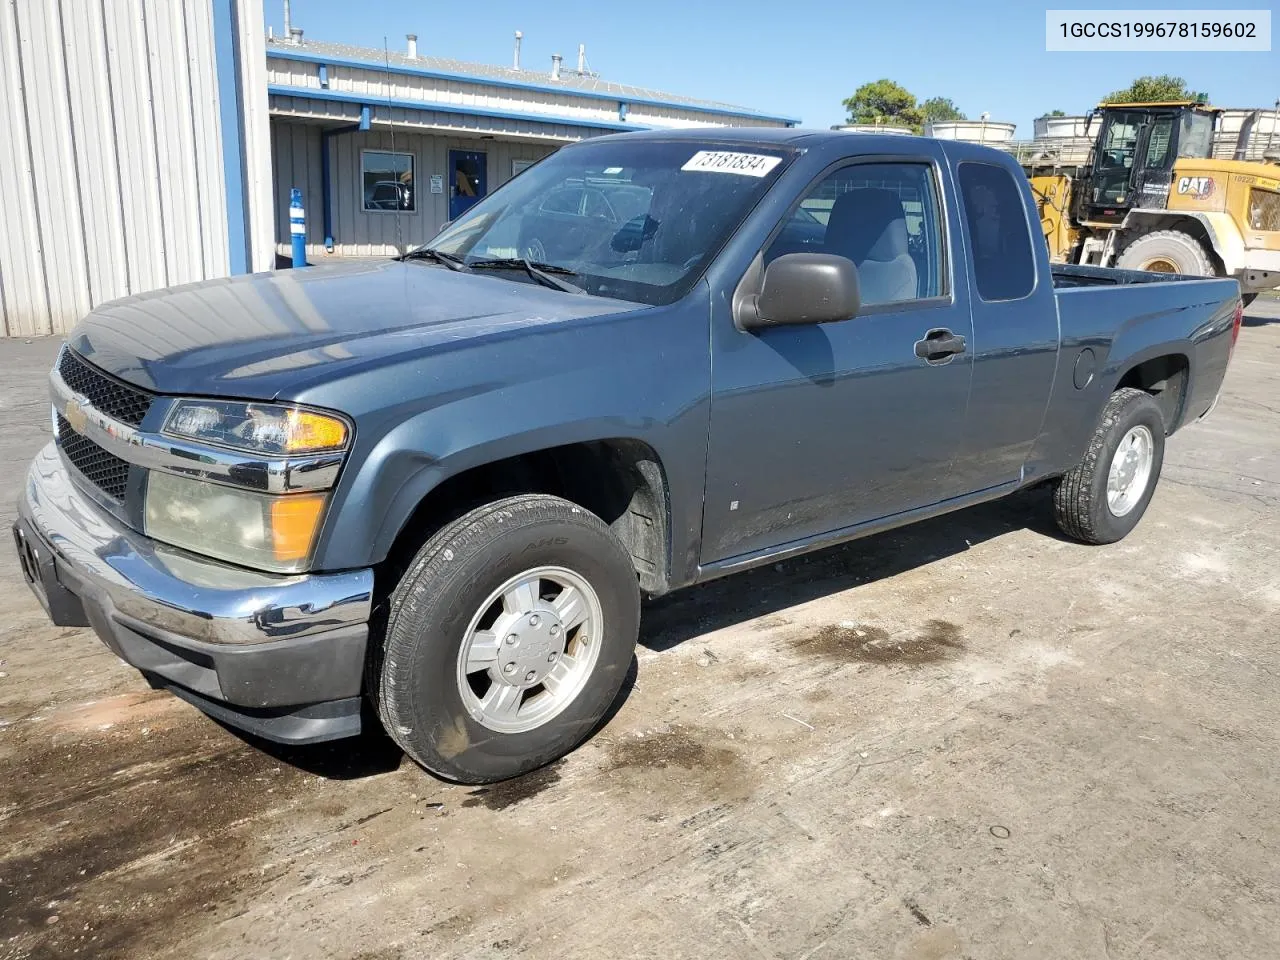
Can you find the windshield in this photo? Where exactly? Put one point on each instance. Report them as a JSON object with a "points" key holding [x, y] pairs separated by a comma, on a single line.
{"points": [[630, 219]]}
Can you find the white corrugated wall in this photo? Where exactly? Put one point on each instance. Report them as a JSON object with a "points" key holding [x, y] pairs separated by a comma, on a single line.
{"points": [[112, 172]]}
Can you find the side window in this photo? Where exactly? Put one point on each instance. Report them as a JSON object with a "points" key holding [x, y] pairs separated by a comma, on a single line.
{"points": [[882, 216], [1158, 141], [999, 238]]}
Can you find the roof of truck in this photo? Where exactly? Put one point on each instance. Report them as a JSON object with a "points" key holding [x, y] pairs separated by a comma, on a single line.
{"points": [[790, 136]]}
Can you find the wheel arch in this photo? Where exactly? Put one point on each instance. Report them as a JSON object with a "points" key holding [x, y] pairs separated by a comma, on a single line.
{"points": [[1164, 372], [621, 479]]}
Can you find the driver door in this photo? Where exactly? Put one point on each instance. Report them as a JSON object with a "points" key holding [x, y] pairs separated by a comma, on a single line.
{"points": [[823, 427]]}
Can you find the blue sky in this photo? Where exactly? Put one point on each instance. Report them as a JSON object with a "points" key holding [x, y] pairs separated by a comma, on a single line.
{"points": [[799, 58]]}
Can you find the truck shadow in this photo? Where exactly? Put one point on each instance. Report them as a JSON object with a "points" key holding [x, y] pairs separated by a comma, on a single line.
{"points": [[1254, 317], [373, 752], [671, 620]]}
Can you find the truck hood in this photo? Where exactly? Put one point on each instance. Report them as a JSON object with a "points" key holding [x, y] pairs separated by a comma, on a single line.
{"points": [[270, 335]]}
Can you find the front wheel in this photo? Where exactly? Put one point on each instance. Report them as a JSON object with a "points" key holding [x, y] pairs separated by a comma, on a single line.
{"points": [[1104, 496], [508, 639]]}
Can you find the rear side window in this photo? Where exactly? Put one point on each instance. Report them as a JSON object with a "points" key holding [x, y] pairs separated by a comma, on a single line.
{"points": [[999, 237]]}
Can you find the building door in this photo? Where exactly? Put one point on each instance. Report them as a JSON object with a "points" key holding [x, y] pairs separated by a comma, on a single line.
{"points": [[468, 180]]}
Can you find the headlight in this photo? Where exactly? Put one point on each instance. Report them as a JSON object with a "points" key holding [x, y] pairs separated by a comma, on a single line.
{"points": [[266, 428], [274, 533]]}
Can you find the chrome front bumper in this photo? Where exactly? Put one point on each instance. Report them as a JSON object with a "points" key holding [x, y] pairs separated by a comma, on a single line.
{"points": [[284, 651]]}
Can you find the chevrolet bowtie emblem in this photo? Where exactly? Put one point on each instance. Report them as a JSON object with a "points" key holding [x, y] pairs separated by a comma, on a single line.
{"points": [[75, 415]]}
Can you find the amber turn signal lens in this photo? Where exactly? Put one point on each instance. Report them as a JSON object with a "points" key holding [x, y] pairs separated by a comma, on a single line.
{"points": [[294, 521], [309, 431]]}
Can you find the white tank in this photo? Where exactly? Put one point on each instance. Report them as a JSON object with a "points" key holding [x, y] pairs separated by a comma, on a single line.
{"points": [[1264, 135], [1056, 127], [991, 132], [871, 128]]}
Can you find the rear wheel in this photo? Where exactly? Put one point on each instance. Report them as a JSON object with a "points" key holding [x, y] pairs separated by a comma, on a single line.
{"points": [[1104, 496], [1167, 251], [508, 639]]}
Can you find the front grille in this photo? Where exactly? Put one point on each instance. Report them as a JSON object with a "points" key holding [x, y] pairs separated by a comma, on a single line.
{"points": [[114, 398], [104, 470]]}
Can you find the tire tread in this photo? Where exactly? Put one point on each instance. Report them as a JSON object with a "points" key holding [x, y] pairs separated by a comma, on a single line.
{"points": [[468, 535], [1073, 497]]}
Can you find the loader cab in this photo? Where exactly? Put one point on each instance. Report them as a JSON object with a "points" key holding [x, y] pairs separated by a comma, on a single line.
{"points": [[1133, 156]]}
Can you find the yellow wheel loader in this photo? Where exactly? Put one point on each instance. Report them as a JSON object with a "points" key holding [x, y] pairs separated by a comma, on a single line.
{"points": [[1152, 197]]}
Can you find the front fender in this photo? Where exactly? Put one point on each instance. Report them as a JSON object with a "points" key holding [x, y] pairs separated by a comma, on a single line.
{"points": [[642, 376]]}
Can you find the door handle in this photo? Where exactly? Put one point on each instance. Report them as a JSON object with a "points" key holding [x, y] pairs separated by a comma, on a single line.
{"points": [[939, 346]]}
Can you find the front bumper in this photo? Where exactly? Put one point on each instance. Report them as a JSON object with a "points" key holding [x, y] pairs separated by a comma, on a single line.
{"points": [[279, 656]]}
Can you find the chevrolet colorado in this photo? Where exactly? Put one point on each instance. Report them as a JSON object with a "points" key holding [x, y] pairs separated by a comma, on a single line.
{"points": [[432, 490]]}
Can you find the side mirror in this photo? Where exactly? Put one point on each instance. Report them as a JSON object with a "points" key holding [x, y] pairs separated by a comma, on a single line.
{"points": [[803, 288]]}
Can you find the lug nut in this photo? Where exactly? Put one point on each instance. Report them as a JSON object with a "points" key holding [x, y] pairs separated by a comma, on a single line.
{"points": [[534, 620], [555, 629], [529, 677], [512, 640], [509, 668], [551, 657]]}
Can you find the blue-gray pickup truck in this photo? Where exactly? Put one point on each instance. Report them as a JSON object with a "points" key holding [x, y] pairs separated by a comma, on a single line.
{"points": [[432, 490]]}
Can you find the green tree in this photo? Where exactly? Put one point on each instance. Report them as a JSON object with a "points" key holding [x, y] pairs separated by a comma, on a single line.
{"points": [[1056, 113], [1152, 90], [884, 102], [940, 109]]}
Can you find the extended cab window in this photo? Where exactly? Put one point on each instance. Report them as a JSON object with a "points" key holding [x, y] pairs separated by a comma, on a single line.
{"points": [[883, 217], [999, 237]]}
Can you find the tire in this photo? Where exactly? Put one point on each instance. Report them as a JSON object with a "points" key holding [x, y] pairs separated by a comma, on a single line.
{"points": [[1081, 504], [1166, 249], [427, 701]]}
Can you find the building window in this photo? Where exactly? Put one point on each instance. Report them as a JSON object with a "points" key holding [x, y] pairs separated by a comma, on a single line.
{"points": [[387, 180]]}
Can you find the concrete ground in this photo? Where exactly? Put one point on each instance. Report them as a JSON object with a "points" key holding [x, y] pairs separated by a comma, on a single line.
{"points": [[1050, 750]]}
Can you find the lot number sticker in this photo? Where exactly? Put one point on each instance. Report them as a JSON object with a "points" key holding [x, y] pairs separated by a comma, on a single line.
{"points": [[743, 164]]}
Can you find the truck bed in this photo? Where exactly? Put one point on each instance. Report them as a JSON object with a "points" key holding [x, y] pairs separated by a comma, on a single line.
{"points": [[1116, 319], [1067, 275]]}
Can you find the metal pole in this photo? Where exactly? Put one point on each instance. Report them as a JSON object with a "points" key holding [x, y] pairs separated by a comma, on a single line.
{"points": [[298, 227], [1275, 117]]}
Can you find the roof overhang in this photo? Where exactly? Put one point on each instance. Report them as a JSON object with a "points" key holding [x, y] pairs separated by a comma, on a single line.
{"points": [[513, 84], [342, 107]]}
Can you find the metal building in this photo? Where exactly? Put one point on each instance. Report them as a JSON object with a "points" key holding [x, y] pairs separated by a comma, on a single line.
{"points": [[389, 146], [134, 152]]}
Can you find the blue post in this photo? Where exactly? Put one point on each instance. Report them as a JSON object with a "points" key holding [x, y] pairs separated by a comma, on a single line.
{"points": [[298, 228]]}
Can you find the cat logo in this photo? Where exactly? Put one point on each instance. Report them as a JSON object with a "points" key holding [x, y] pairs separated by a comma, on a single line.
{"points": [[1198, 188]]}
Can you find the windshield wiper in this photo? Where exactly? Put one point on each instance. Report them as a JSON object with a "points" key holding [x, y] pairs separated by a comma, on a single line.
{"points": [[544, 273], [439, 256]]}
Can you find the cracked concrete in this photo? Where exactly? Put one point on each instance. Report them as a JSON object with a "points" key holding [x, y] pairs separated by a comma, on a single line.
{"points": [[967, 738]]}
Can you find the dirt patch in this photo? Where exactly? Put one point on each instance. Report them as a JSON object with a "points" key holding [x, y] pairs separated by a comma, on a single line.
{"points": [[119, 837], [938, 640], [818, 695], [112, 712], [510, 792], [672, 748], [700, 757]]}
